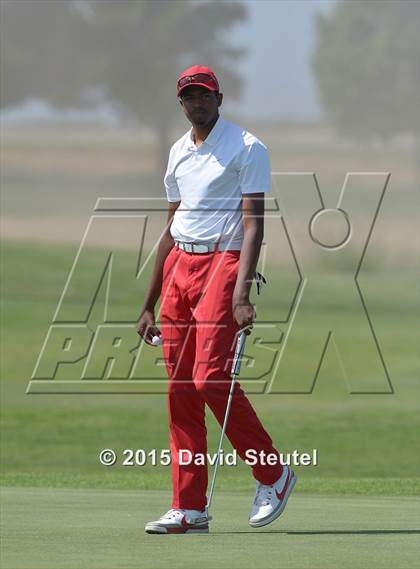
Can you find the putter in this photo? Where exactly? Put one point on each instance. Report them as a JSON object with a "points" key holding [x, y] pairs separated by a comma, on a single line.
{"points": [[236, 366]]}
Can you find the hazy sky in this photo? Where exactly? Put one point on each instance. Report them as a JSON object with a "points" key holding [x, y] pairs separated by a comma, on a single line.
{"points": [[280, 36], [278, 82]]}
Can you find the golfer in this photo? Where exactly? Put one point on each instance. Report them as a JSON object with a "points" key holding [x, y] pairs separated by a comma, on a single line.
{"points": [[215, 183]]}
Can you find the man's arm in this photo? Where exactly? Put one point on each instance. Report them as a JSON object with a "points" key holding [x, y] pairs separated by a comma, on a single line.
{"points": [[147, 315], [253, 225]]}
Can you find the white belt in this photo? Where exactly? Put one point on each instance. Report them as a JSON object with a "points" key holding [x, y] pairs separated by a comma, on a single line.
{"points": [[205, 247]]}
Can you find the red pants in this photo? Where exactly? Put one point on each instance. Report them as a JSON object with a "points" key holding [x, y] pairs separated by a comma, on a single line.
{"points": [[199, 336]]}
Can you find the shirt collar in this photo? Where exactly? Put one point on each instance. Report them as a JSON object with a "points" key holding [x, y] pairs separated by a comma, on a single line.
{"points": [[213, 135]]}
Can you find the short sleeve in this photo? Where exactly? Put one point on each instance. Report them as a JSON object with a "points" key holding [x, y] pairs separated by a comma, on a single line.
{"points": [[171, 186], [254, 169]]}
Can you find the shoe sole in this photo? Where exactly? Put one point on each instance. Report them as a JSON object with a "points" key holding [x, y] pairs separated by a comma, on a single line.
{"points": [[276, 513], [174, 531]]}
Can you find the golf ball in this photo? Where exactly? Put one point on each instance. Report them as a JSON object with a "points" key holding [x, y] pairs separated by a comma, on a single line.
{"points": [[156, 340]]}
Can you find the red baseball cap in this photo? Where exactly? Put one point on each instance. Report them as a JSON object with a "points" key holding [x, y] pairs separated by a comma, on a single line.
{"points": [[198, 75]]}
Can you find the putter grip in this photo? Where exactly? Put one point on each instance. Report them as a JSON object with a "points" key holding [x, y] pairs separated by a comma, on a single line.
{"points": [[240, 345]]}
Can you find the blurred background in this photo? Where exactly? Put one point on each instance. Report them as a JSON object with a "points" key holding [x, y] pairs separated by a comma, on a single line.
{"points": [[89, 110]]}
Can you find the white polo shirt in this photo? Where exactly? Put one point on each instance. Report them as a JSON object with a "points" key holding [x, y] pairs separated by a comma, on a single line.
{"points": [[210, 179]]}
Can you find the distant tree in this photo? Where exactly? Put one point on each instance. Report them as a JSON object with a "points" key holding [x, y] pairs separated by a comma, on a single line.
{"points": [[142, 46], [366, 65], [41, 47], [130, 51]]}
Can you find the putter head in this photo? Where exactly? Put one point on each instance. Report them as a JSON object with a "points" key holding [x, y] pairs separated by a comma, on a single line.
{"points": [[209, 517]]}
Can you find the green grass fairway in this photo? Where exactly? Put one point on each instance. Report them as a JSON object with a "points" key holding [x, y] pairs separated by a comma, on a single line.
{"points": [[54, 440], [358, 508], [103, 529]]}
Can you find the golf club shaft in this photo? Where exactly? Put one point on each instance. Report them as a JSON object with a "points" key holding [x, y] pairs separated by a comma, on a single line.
{"points": [[236, 365]]}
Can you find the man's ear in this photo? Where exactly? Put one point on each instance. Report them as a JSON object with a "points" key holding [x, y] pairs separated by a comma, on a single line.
{"points": [[220, 100], [180, 101]]}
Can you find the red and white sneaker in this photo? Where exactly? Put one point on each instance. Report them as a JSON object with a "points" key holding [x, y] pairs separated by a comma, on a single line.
{"points": [[270, 501], [180, 521]]}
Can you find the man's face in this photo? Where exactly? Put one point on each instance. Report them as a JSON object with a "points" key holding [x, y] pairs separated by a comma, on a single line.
{"points": [[200, 105]]}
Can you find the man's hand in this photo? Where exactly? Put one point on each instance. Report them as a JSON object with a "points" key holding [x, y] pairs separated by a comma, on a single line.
{"points": [[244, 313], [146, 326]]}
